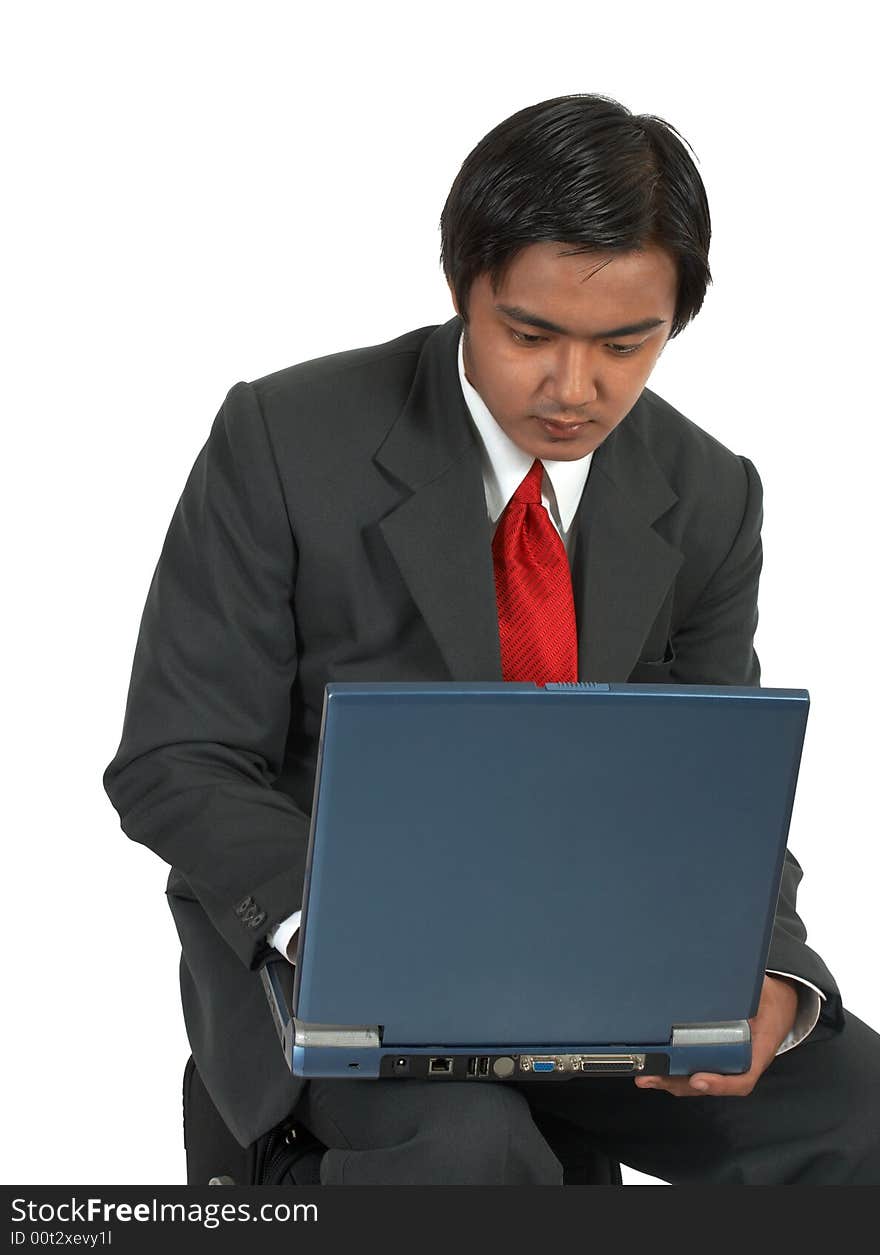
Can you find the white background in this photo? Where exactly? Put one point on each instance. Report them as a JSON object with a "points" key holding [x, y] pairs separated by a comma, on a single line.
{"points": [[203, 193]]}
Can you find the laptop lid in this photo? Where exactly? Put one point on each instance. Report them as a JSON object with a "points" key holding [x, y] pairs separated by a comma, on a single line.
{"points": [[495, 862]]}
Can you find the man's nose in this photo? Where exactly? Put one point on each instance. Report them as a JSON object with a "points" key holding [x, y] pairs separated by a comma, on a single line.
{"points": [[573, 385]]}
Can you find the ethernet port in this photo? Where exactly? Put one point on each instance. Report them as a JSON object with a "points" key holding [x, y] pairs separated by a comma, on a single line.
{"points": [[440, 1067]]}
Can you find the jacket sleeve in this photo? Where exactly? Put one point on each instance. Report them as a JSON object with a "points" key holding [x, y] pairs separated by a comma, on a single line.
{"points": [[715, 645], [208, 706]]}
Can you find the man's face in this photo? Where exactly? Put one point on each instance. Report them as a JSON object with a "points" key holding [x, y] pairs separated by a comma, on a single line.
{"points": [[550, 353]]}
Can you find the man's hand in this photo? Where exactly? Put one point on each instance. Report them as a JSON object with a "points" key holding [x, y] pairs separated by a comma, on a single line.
{"points": [[775, 1019]]}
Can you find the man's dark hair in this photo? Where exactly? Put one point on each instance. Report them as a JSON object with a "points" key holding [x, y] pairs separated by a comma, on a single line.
{"points": [[585, 171]]}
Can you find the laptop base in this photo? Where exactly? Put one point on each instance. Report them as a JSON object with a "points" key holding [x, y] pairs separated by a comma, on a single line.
{"points": [[506, 1063], [334, 1050]]}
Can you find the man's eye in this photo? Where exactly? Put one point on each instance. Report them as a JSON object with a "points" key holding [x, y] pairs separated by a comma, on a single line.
{"points": [[619, 350]]}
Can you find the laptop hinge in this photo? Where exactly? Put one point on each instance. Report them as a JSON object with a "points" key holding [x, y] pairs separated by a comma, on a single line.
{"points": [[711, 1034], [360, 1036]]}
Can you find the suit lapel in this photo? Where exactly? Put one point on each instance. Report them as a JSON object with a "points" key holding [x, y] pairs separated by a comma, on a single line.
{"points": [[441, 538], [622, 568], [440, 535]]}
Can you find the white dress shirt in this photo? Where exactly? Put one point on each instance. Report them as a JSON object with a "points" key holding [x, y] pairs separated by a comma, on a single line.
{"points": [[505, 466]]}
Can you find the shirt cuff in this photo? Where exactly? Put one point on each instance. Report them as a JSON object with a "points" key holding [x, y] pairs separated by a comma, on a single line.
{"points": [[280, 937], [810, 1001]]}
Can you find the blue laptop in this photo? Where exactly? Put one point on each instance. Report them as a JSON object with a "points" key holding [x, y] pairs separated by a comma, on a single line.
{"points": [[515, 882]]}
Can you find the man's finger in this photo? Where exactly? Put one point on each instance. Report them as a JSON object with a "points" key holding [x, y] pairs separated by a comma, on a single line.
{"points": [[701, 1084], [738, 1086]]}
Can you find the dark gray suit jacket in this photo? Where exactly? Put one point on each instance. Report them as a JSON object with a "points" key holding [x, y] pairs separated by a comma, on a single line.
{"points": [[334, 527]]}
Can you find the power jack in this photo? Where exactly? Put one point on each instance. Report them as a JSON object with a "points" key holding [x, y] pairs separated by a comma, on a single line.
{"points": [[400, 1065]]}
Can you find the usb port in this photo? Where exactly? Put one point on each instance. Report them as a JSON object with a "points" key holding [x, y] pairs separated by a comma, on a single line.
{"points": [[478, 1065]]}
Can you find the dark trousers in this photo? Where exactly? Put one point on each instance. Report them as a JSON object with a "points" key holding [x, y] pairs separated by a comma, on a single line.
{"points": [[812, 1119]]}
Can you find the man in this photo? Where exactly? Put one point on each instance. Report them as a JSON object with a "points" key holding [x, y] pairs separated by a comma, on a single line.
{"points": [[376, 515]]}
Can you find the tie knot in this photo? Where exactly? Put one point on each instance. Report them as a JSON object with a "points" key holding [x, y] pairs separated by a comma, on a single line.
{"points": [[529, 491]]}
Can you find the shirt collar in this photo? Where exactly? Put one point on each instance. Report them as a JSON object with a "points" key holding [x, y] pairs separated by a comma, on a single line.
{"points": [[505, 464]]}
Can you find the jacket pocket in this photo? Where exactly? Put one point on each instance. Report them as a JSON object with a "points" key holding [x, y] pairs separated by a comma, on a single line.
{"points": [[653, 670]]}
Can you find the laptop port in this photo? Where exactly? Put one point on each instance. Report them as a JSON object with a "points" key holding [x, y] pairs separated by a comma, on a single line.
{"points": [[607, 1065], [478, 1065], [611, 1063], [440, 1067]]}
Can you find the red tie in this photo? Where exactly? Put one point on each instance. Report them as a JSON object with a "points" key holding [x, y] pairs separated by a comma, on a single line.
{"points": [[533, 589]]}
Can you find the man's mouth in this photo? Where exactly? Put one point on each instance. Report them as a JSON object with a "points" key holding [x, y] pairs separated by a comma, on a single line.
{"points": [[562, 430]]}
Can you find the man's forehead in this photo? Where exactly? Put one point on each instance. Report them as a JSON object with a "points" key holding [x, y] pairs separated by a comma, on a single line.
{"points": [[551, 286]]}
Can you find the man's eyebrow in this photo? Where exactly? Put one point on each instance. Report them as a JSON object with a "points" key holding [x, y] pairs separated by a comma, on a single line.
{"points": [[532, 320]]}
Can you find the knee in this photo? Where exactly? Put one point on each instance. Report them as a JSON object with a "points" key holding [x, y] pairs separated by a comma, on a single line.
{"points": [[491, 1139]]}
